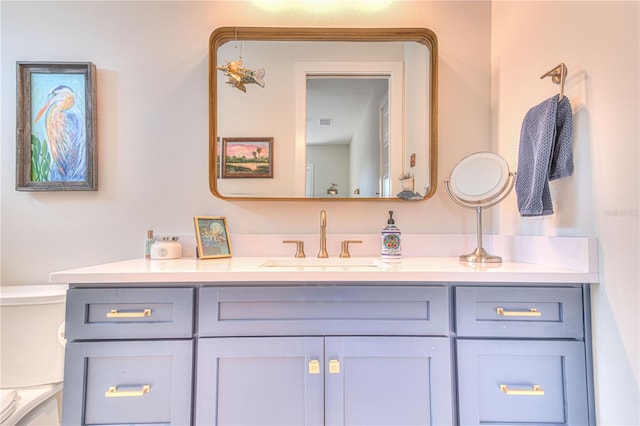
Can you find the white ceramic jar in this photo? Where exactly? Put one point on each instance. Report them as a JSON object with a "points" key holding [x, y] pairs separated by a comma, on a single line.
{"points": [[166, 247]]}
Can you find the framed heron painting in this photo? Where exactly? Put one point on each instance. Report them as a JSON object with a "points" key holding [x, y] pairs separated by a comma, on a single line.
{"points": [[56, 126]]}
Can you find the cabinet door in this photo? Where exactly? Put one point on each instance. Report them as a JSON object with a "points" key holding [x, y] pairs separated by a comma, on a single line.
{"points": [[134, 382], [522, 382], [260, 381], [388, 381]]}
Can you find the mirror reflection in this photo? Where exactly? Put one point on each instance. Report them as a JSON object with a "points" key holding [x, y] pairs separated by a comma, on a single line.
{"points": [[347, 118], [346, 135]]}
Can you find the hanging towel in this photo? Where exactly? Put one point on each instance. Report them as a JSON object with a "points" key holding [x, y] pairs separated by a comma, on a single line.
{"points": [[544, 154]]}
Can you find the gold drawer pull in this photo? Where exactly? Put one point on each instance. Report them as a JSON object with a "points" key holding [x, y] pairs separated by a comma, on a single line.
{"points": [[334, 366], [113, 392], [314, 366], [536, 390], [533, 312], [114, 313]]}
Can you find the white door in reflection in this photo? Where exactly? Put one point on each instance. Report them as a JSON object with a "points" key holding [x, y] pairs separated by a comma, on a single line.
{"points": [[385, 148], [309, 191]]}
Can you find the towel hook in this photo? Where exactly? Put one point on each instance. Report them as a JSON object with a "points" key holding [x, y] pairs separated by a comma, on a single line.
{"points": [[558, 75]]}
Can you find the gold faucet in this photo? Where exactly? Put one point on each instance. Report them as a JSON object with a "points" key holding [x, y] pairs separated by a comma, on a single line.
{"points": [[345, 247], [299, 247], [323, 235]]}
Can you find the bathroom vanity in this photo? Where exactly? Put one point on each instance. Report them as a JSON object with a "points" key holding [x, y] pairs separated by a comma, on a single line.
{"points": [[251, 340]]}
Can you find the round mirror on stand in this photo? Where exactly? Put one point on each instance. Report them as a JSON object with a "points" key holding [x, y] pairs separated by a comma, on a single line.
{"points": [[479, 181]]}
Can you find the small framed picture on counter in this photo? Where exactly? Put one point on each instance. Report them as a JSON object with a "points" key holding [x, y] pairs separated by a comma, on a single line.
{"points": [[212, 237]]}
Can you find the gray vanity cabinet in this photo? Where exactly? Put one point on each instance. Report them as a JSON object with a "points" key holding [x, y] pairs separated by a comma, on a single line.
{"points": [[521, 356], [324, 355], [387, 381], [136, 382], [256, 381], [129, 356], [522, 383], [324, 381]]}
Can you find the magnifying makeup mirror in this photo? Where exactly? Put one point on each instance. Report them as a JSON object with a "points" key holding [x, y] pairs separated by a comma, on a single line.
{"points": [[479, 181]]}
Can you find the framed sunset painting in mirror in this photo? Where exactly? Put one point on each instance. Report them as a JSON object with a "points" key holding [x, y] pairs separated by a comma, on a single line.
{"points": [[247, 158]]}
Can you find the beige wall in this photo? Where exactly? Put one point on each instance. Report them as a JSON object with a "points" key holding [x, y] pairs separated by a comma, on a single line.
{"points": [[599, 43], [153, 125], [153, 135]]}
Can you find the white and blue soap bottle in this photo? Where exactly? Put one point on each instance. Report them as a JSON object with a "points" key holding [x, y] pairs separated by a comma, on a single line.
{"points": [[391, 240]]}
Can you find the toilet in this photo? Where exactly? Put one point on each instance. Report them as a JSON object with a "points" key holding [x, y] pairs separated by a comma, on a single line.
{"points": [[31, 354]]}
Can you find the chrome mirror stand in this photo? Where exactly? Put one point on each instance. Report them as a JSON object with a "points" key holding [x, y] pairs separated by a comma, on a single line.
{"points": [[482, 200]]}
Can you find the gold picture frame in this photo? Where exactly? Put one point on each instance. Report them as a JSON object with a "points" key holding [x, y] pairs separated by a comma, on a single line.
{"points": [[212, 236]]}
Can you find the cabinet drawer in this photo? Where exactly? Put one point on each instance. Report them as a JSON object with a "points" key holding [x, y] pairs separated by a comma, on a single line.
{"points": [[519, 312], [128, 382], [331, 310], [129, 313], [522, 382]]}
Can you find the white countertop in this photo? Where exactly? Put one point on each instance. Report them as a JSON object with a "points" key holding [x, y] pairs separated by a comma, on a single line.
{"points": [[358, 270]]}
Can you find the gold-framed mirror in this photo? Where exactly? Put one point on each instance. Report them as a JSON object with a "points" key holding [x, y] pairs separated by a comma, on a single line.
{"points": [[271, 119]]}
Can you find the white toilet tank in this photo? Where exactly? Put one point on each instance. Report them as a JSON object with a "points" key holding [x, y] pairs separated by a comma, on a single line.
{"points": [[31, 335]]}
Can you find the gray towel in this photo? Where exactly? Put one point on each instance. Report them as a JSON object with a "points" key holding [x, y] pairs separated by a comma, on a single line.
{"points": [[544, 154]]}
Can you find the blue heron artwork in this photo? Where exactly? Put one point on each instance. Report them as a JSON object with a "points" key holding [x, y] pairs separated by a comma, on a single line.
{"points": [[58, 127]]}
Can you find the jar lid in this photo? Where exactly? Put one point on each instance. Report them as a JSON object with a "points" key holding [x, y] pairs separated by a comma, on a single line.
{"points": [[166, 238]]}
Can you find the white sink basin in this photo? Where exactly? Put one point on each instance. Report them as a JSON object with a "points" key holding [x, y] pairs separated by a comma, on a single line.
{"points": [[337, 263]]}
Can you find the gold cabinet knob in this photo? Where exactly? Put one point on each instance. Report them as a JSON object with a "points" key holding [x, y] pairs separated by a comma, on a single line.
{"points": [[314, 366]]}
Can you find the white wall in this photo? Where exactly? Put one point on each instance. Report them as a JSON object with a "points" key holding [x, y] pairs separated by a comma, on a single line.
{"points": [[331, 165], [153, 125], [599, 43]]}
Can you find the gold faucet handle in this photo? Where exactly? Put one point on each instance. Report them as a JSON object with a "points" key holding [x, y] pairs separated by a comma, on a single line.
{"points": [[345, 247], [299, 247]]}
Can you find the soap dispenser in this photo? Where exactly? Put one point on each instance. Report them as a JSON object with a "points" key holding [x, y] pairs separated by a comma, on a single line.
{"points": [[391, 239]]}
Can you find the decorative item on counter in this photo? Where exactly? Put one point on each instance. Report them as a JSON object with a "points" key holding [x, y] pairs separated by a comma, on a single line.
{"points": [[148, 243], [407, 182], [391, 240], [333, 189], [212, 237], [166, 247], [479, 181]]}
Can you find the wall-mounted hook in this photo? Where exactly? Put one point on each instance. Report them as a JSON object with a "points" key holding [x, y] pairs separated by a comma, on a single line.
{"points": [[558, 75]]}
